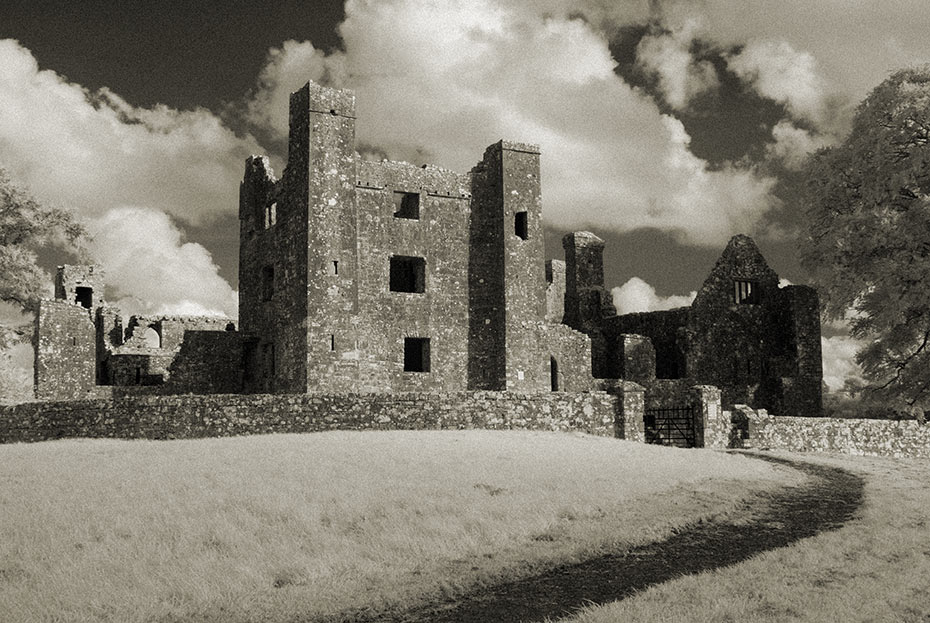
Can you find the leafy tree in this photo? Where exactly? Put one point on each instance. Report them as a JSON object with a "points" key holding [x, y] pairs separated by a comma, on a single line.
{"points": [[25, 227], [867, 205]]}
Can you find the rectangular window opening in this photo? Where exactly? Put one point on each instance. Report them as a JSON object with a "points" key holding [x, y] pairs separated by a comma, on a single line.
{"points": [[746, 292], [407, 205], [267, 283], [332, 341], [408, 274], [416, 354], [335, 267], [520, 225], [271, 214], [84, 296]]}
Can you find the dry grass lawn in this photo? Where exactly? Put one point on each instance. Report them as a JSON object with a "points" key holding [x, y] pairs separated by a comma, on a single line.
{"points": [[270, 528], [874, 569]]}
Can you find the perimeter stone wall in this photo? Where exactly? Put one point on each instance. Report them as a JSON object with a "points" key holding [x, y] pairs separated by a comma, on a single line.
{"points": [[191, 416], [895, 438]]}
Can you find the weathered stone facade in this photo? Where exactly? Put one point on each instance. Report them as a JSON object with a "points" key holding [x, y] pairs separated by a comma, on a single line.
{"points": [[382, 278]]}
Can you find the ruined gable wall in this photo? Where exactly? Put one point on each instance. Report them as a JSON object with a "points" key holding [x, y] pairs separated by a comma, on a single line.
{"points": [[730, 342], [65, 347], [439, 235], [751, 350]]}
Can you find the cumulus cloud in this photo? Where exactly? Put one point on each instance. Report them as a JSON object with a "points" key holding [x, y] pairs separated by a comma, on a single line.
{"points": [[638, 296], [118, 166], [438, 82], [792, 145], [94, 151], [781, 73], [668, 55], [839, 363], [153, 271], [832, 33]]}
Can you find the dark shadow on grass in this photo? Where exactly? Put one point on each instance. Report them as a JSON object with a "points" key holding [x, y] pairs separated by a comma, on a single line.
{"points": [[825, 503]]}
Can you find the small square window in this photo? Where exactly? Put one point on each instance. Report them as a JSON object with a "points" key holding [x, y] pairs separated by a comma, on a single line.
{"points": [[408, 274], [407, 205], [521, 225], [84, 296], [746, 292], [416, 354]]}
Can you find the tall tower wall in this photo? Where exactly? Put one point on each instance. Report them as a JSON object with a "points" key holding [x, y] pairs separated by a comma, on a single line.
{"points": [[323, 144], [507, 285]]}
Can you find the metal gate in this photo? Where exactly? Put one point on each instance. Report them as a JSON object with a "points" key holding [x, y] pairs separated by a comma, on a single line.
{"points": [[672, 426]]}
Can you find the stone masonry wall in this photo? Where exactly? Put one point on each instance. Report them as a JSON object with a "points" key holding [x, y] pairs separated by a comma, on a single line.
{"points": [[65, 343], [895, 438], [666, 331], [191, 416], [437, 232]]}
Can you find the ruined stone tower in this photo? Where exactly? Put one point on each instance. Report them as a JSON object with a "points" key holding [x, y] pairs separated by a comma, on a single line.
{"points": [[382, 276]]}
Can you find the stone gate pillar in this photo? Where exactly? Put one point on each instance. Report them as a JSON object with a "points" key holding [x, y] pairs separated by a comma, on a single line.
{"points": [[711, 428]]}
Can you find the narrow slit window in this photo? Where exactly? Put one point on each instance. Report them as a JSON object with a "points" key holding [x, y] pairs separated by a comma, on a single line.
{"points": [[332, 341], [407, 205], [335, 267], [554, 374], [520, 225], [84, 296], [416, 354], [271, 214], [746, 292], [407, 274], [267, 283]]}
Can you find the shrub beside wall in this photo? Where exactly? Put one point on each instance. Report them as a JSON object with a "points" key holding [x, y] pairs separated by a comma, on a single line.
{"points": [[189, 416]]}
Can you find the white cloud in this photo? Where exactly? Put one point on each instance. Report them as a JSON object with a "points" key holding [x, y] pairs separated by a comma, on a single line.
{"points": [[94, 151], [781, 73], [110, 161], [792, 144], [668, 55], [438, 82], [153, 271], [839, 363], [638, 296]]}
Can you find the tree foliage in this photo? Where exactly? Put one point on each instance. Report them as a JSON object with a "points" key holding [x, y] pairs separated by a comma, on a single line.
{"points": [[25, 227], [867, 204]]}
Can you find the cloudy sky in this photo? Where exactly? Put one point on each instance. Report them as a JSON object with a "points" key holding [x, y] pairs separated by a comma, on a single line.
{"points": [[665, 126]]}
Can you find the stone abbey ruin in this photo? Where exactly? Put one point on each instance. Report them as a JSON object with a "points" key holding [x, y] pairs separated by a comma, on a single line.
{"points": [[383, 278]]}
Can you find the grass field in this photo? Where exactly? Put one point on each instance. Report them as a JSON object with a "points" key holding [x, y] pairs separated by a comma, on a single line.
{"points": [[269, 528], [874, 569]]}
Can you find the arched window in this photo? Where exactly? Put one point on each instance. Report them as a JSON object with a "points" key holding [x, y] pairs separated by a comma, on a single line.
{"points": [[151, 338]]}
